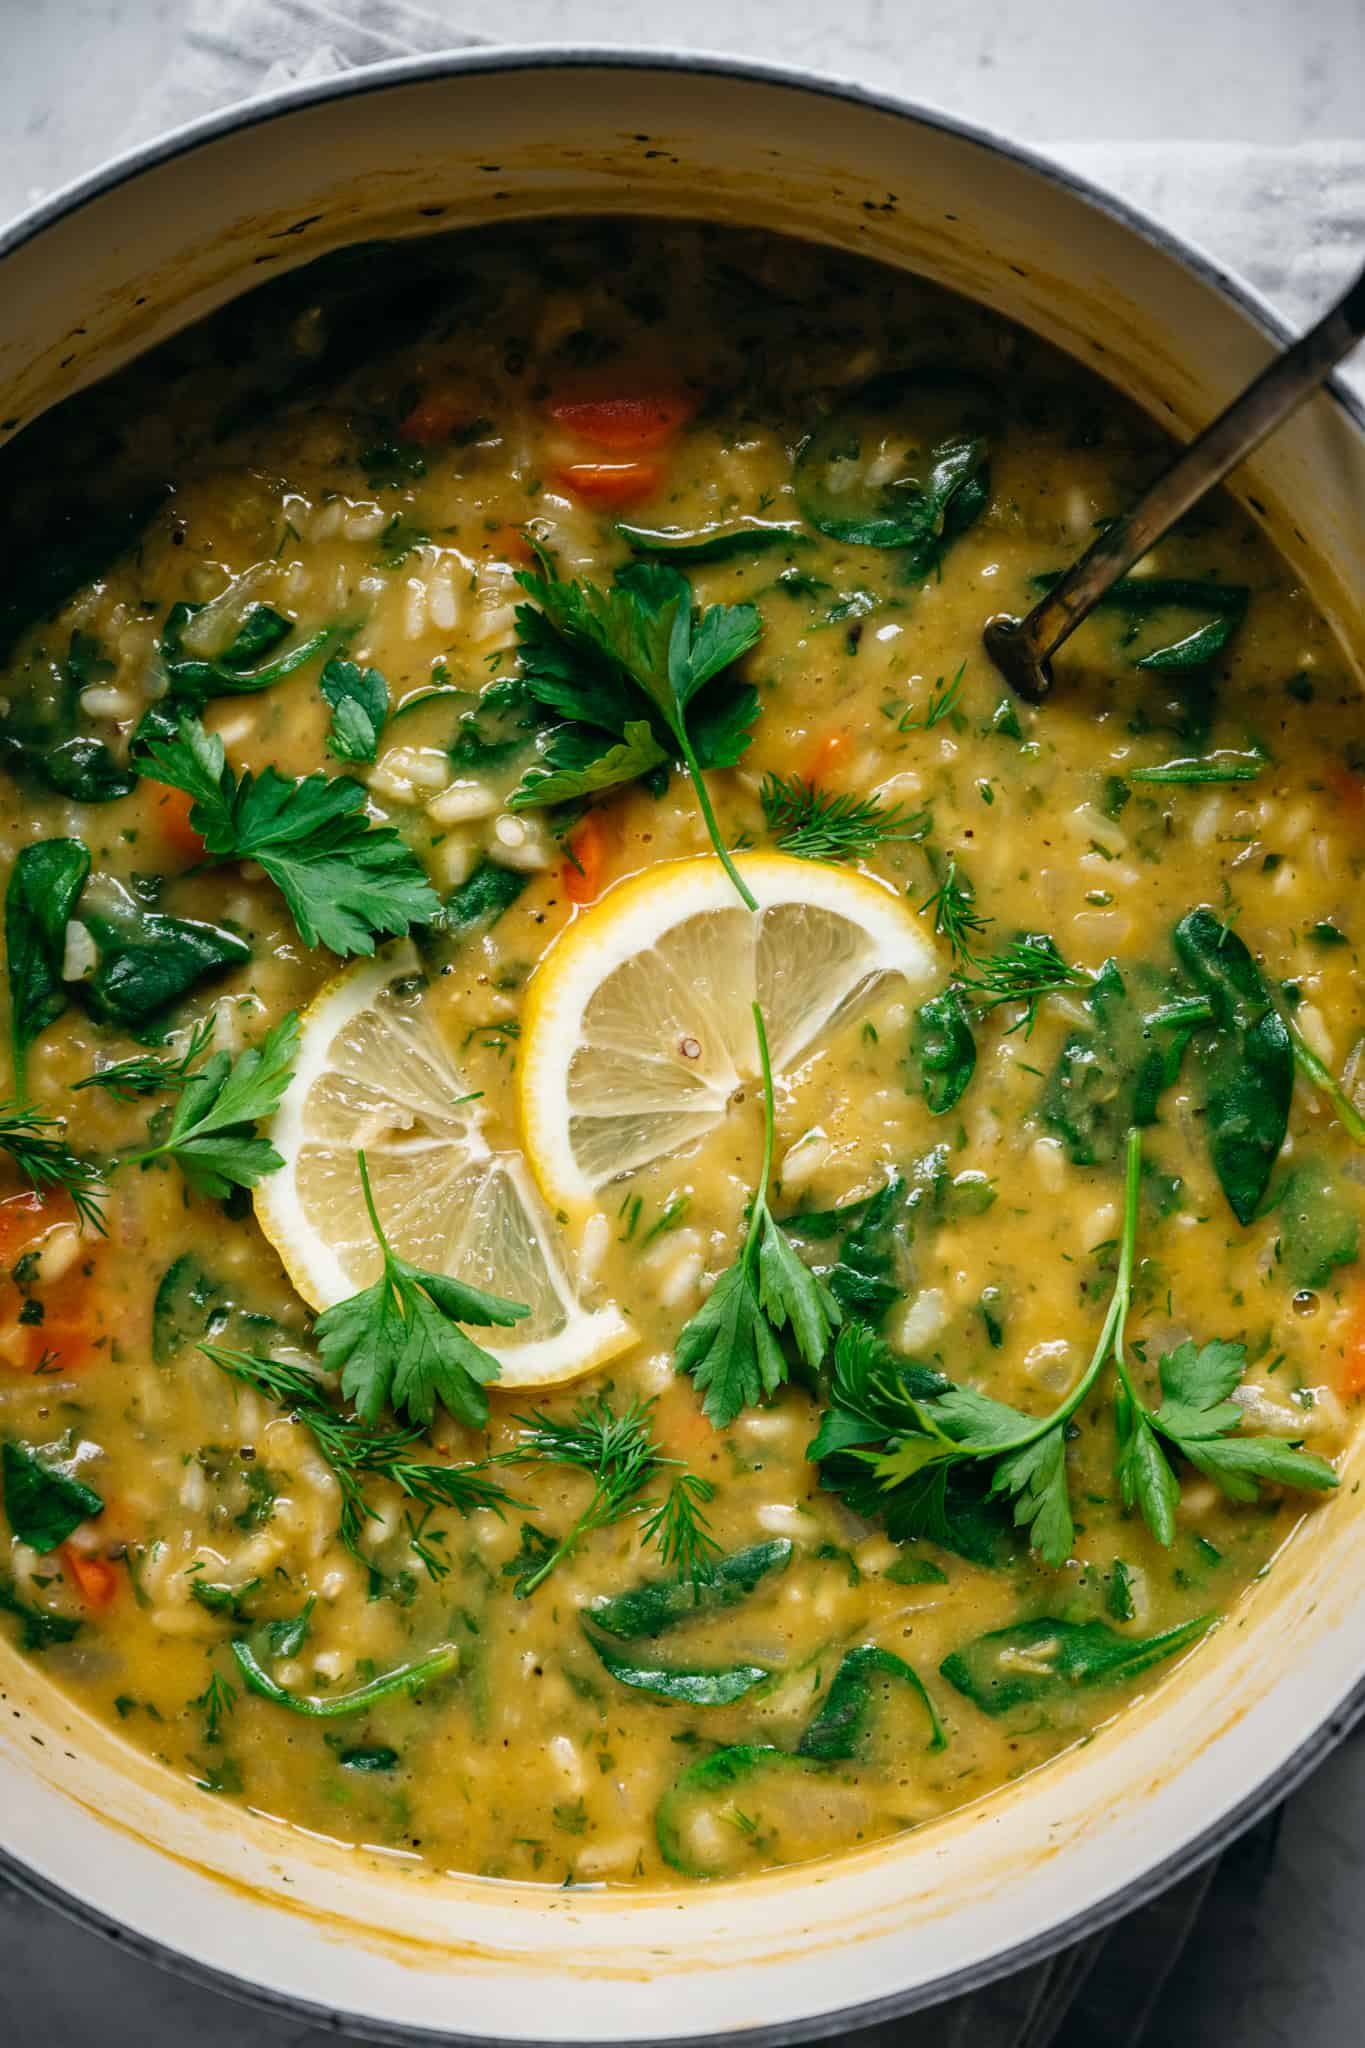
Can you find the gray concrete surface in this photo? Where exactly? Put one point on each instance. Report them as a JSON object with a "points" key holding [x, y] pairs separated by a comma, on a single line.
{"points": [[1277, 1961]]}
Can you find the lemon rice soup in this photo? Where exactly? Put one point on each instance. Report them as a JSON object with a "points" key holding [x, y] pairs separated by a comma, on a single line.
{"points": [[647, 1230]]}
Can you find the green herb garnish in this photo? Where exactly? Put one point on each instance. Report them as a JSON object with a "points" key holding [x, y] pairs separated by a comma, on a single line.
{"points": [[816, 824], [212, 1134], [399, 1342], [47, 1161], [346, 882], [731, 1347], [616, 1452], [637, 655]]}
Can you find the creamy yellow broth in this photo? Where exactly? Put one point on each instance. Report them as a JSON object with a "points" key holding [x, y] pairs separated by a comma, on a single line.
{"points": [[295, 483]]}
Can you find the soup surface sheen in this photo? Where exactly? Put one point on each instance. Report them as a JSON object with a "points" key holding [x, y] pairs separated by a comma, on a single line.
{"points": [[928, 1455]]}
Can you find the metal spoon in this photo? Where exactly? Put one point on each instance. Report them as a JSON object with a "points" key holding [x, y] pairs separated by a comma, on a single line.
{"points": [[1022, 648]]}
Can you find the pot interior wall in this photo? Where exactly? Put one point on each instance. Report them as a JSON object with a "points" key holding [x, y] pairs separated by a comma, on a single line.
{"points": [[377, 1936]]}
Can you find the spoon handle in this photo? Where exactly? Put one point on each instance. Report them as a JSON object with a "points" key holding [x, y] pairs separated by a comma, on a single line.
{"points": [[1278, 391]]}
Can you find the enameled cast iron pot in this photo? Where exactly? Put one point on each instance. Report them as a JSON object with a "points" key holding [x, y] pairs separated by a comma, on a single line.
{"points": [[89, 280]]}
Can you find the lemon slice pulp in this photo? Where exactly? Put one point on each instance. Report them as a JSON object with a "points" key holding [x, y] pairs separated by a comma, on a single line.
{"points": [[374, 1075], [638, 1025]]}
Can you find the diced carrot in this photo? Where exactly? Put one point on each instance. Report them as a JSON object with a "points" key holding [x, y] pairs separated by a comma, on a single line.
{"points": [[24, 1218], [585, 871], [96, 1579], [1348, 788], [680, 1424], [610, 483], [628, 424], [68, 1338], [173, 821], [512, 545], [1353, 1362], [825, 758], [438, 413]]}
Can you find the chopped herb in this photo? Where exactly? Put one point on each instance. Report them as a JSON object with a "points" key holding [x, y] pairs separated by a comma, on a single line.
{"points": [[731, 1347], [399, 1341], [346, 882], [212, 1132], [818, 825]]}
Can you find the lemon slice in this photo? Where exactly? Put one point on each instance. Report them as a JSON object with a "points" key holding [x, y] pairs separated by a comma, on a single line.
{"points": [[374, 1074], [638, 1024]]}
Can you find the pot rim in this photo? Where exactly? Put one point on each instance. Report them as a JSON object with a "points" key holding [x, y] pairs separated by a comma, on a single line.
{"points": [[123, 169]]}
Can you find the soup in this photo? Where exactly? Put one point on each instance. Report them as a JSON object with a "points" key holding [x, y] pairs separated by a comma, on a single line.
{"points": [[649, 1231]]}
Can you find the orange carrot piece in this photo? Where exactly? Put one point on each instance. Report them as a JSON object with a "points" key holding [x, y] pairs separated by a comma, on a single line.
{"points": [[96, 1579], [23, 1218], [584, 873], [438, 414], [610, 483], [511, 545], [628, 424], [173, 822], [825, 758], [1349, 790], [1353, 1363]]}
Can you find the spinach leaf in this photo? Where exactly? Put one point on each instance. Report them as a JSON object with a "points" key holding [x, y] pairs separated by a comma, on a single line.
{"points": [[910, 1570], [695, 1688], [189, 1304], [867, 1275], [481, 900], [374, 1757], [1110, 1074], [148, 961], [39, 1630], [864, 1675], [1319, 1225], [943, 1048], [231, 673], [85, 770], [939, 421], [43, 1502], [706, 1786], [659, 1604], [720, 543], [1015, 1666], [39, 740], [1137, 598], [360, 703], [45, 881], [1245, 1065], [405, 1678]]}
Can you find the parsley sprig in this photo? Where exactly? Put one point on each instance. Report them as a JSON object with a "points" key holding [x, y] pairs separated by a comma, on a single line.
{"points": [[399, 1342], [917, 1435], [211, 1134], [346, 882], [732, 1346], [1197, 1418], [46, 1161], [818, 824], [629, 668]]}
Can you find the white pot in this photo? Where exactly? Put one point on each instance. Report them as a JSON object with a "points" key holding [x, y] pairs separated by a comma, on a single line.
{"points": [[89, 280]]}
